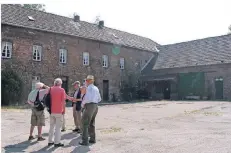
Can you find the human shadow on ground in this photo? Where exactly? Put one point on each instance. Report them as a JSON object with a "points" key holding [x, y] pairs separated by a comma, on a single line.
{"points": [[69, 135], [76, 138], [75, 142], [46, 149], [20, 147]]}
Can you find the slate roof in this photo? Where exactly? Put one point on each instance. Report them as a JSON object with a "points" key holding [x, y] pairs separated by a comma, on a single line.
{"points": [[18, 16], [208, 51]]}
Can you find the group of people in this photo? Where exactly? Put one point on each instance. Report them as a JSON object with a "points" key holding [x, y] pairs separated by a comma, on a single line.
{"points": [[85, 108]]}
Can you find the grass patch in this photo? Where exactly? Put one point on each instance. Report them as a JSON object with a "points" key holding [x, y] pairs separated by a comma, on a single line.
{"points": [[204, 113], [192, 112], [111, 130], [212, 113]]}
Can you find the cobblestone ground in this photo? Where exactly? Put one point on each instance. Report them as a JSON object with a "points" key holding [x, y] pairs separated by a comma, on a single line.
{"points": [[149, 127]]}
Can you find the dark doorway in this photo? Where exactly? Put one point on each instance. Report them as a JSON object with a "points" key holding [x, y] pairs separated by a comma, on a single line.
{"points": [[65, 83], [166, 89], [105, 90], [219, 88]]}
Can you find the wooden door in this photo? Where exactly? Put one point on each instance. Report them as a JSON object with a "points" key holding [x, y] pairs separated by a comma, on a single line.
{"points": [[219, 88], [105, 90]]}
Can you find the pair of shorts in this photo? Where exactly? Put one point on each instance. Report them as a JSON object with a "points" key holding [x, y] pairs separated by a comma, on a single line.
{"points": [[37, 118]]}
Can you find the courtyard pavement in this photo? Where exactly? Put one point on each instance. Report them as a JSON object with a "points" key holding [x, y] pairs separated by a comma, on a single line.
{"points": [[148, 127]]}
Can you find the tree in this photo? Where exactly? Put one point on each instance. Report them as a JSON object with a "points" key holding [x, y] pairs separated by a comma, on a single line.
{"points": [[40, 7], [11, 87]]}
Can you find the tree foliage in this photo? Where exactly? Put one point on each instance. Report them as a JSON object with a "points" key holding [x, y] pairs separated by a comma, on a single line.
{"points": [[40, 7], [11, 87], [132, 88]]}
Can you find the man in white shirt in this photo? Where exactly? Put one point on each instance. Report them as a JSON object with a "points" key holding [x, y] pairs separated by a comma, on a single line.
{"points": [[90, 104]]}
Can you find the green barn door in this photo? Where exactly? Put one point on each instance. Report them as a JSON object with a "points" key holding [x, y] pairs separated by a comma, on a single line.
{"points": [[219, 88]]}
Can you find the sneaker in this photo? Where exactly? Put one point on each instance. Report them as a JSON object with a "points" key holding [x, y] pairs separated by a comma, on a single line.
{"points": [[92, 141], [30, 138], [41, 139], [63, 130], [59, 145], [50, 144], [78, 131], [83, 143], [75, 130]]}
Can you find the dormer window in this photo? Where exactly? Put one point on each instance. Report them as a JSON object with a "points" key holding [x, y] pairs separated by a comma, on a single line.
{"points": [[30, 18]]}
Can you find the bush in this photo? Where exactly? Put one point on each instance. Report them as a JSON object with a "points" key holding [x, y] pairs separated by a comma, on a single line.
{"points": [[135, 91], [11, 87], [126, 92]]}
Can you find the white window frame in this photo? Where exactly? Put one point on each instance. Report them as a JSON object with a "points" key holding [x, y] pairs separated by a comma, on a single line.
{"points": [[86, 58], [37, 50], [62, 56], [122, 63], [7, 47], [35, 79], [105, 60]]}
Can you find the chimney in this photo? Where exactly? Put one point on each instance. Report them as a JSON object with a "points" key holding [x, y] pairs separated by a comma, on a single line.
{"points": [[101, 24], [76, 18]]}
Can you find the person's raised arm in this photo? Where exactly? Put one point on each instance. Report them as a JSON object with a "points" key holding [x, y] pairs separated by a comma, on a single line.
{"points": [[45, 86]]}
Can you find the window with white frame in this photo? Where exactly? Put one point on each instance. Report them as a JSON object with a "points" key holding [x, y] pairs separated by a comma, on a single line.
{"points": [[37, 51], [35, 79], [85, 58], [6, 49], [105, 60], [121, 63], [62, 56]]}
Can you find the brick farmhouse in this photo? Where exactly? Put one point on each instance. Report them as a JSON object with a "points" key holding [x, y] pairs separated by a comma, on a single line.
{"points": [[41, 46]]}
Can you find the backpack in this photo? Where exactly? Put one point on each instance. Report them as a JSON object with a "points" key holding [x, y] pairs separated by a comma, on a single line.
{"points": [[47, 101], [39, 106]]}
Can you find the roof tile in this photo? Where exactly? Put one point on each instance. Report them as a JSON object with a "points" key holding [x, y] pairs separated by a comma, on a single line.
{"points": [[18, 16], [213, 50]]}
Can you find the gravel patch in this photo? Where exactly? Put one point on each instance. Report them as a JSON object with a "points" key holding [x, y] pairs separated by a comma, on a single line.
{"points": [[150, 127]]}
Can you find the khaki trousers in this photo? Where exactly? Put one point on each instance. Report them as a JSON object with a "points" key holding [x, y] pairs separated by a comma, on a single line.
{"points": [[88, 121], [56, 121], [77, 117]]}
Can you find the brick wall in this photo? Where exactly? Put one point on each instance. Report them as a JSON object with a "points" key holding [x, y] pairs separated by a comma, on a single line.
{"points": [[211, 73], [49, 67]]}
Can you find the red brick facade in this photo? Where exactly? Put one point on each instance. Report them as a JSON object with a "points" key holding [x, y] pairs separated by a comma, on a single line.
{"points": [[49, 67]]}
